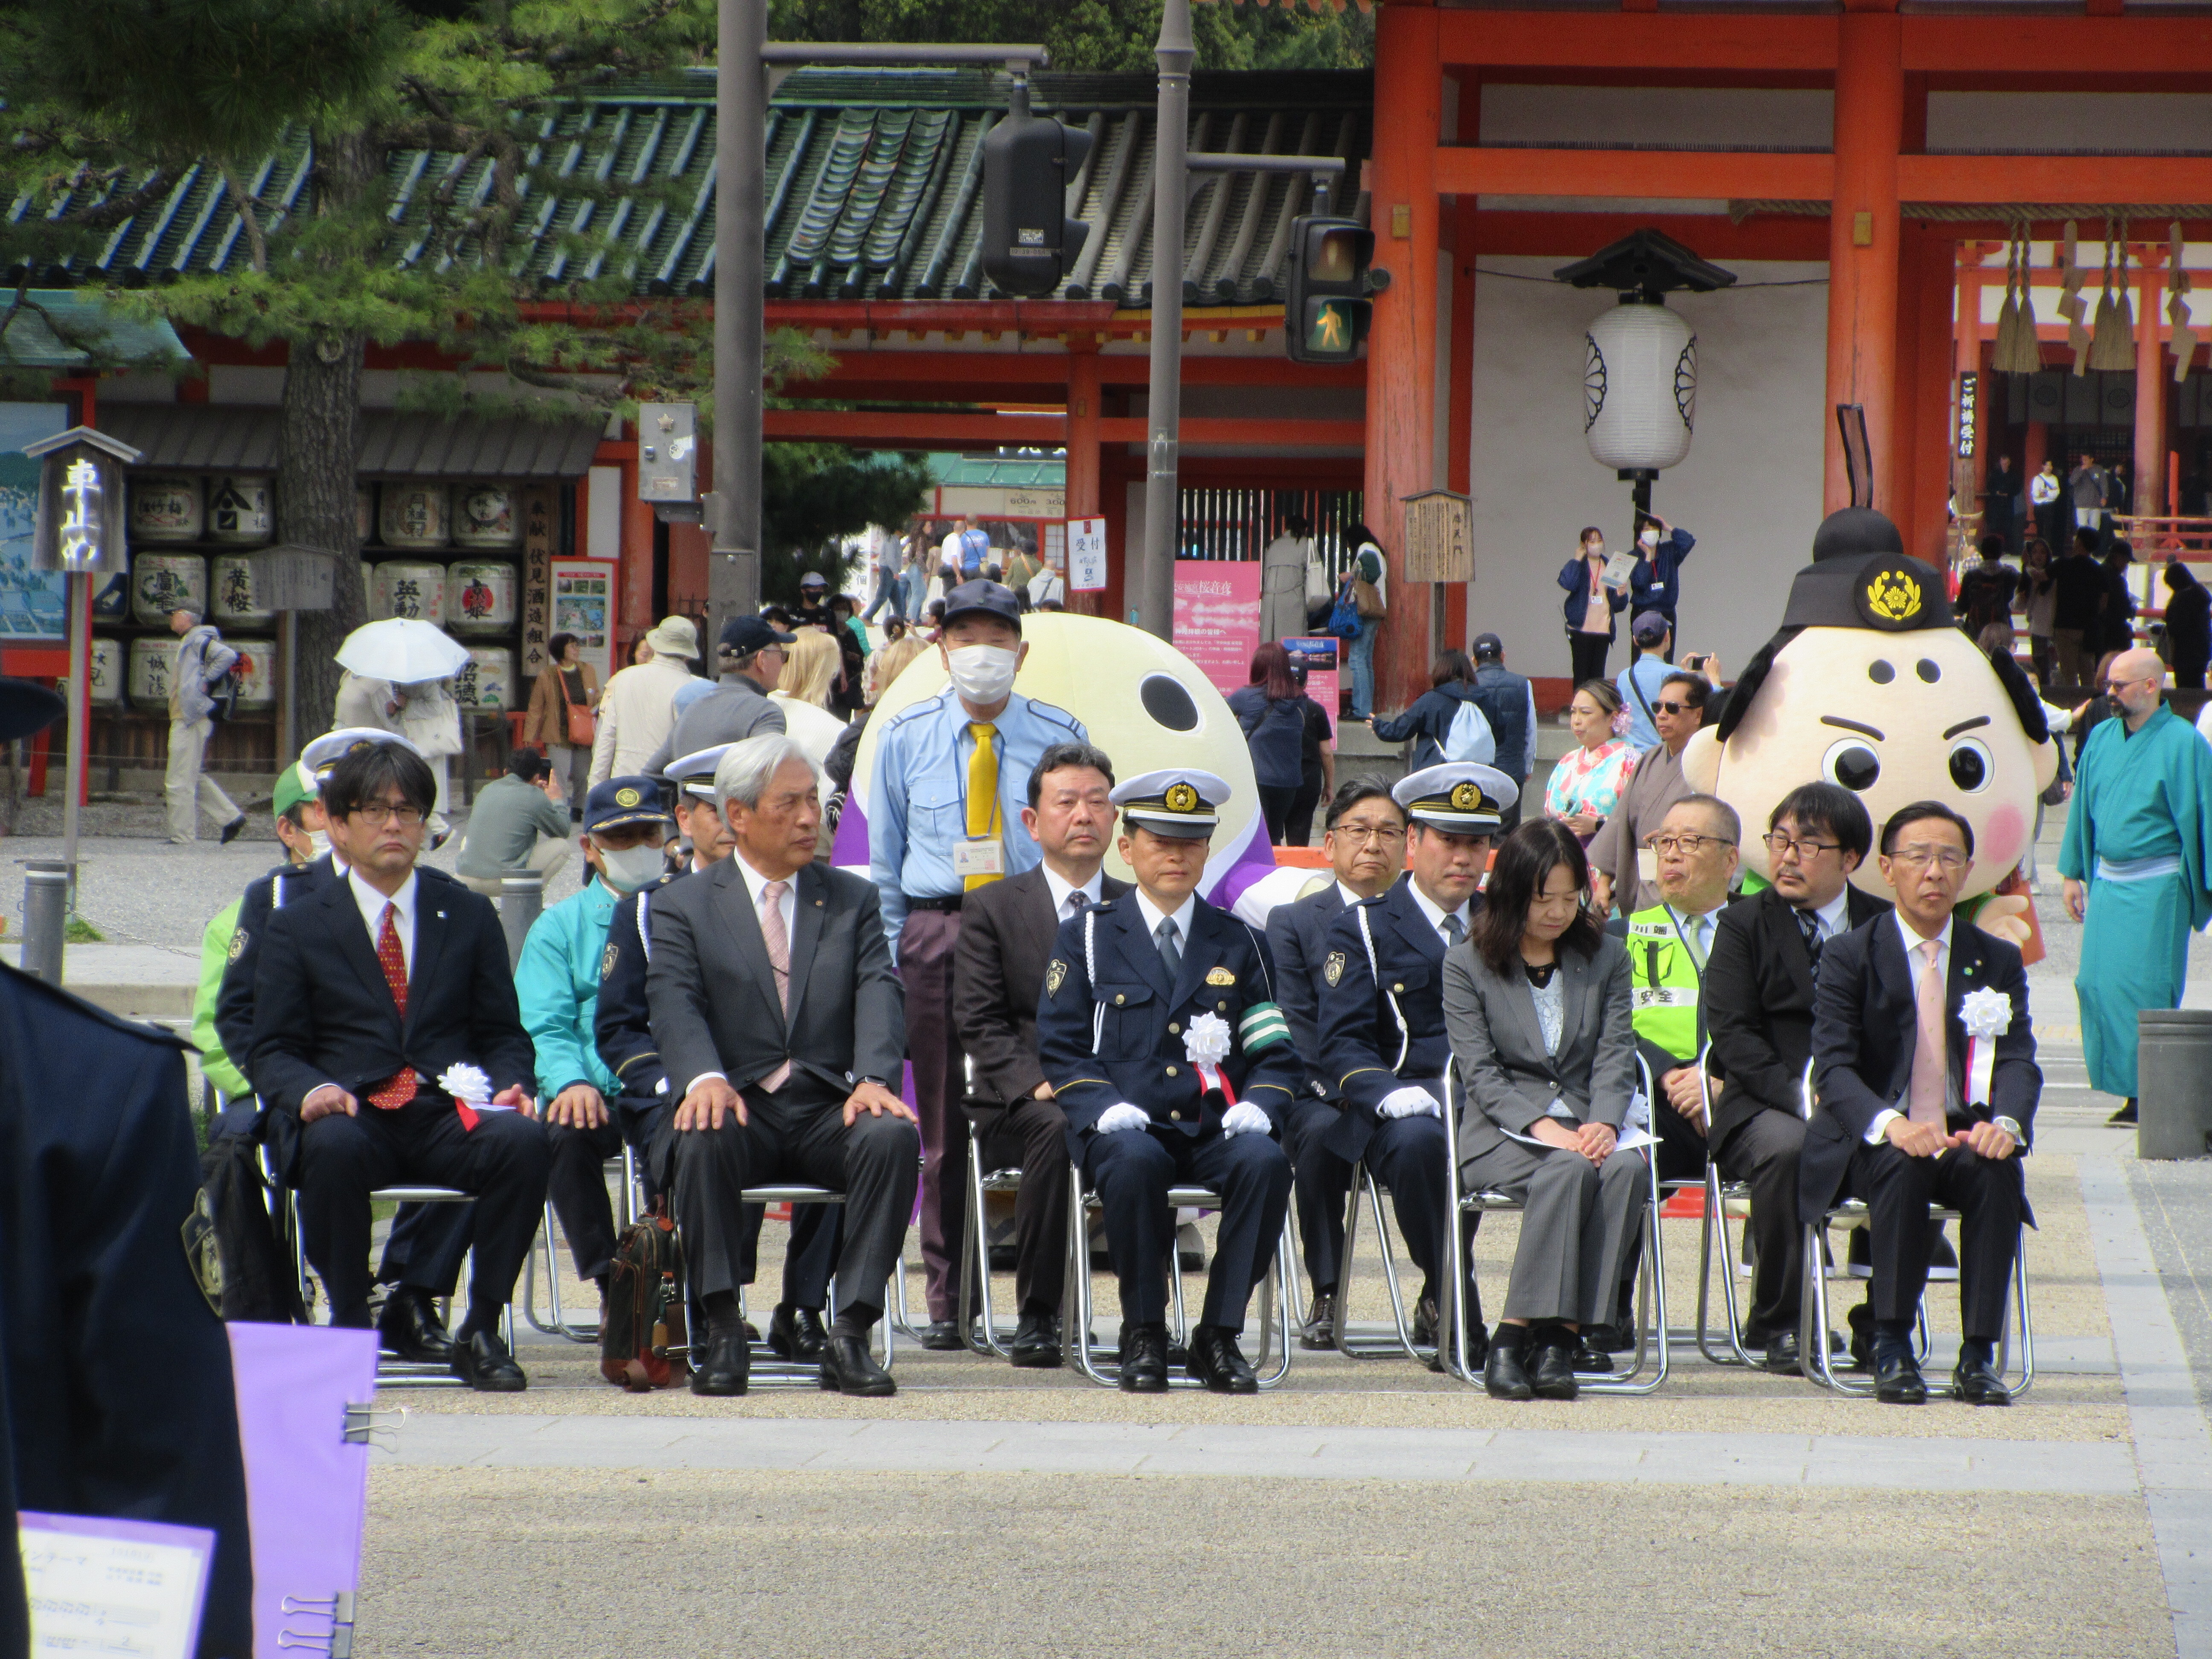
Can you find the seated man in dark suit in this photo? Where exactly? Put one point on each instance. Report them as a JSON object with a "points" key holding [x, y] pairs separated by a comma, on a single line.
{"points": [[1165, 1046], [1365, 841], [1758, 1006], [775, 1004], [1006, 933], [1927, 1081], [371, 995], [1383, 1008]]}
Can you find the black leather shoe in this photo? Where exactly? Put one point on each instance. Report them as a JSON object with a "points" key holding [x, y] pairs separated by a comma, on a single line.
{"points": [[1036, 1346], [1785, 1355], [2125, 1116], [1424, 1323], [1899, 1383], [1144, 1360], [1589, 1358], [942, 1336], [482, 1361], [1861, 1323], [796, 1333], [1554, 1376], [410, 1328], [725, 1370], [1609, 1338], [1478, 1349], [1503, 1376], [1319, 1331], [1216, 1361], [1977, 1383], [230, 830], [848, 1368]]}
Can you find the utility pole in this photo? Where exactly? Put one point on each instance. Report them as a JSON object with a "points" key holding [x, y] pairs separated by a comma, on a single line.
{"points": [[1151, 587]]}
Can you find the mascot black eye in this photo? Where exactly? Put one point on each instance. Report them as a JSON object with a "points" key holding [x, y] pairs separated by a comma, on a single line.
{"points": [[1880, 672], [1928, 669], [1852, 763], [1972, 769], [1167, 702]]}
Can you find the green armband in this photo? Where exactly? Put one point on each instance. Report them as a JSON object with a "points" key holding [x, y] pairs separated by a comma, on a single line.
{"points": [[1263, 1026]]}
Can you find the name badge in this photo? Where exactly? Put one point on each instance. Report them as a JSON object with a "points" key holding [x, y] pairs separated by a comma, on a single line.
{"points": [[1647, 863], [978, 856]]}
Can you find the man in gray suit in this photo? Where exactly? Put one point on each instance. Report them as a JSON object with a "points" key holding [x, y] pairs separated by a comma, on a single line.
{"points": [[773, 999], [751, 656]]}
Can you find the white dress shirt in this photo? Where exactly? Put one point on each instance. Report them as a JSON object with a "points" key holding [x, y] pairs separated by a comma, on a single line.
{"points": [[1435, 914], [787, 904], [1698, 930], [1154, 916], [1914, 966], [1835, 916], [372, 904], [1061, 891]]}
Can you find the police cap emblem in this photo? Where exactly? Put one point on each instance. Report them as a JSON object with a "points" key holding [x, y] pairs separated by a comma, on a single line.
{"points": [[1221, 976], [1180, 798], [1333, 970], [1465, 797], [1891, 596], [1054, 977], [626, 796]]}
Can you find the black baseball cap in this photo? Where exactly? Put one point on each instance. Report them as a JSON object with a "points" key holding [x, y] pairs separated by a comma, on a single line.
{"points": [[742, 635], [1488, 645], [983, 599]]}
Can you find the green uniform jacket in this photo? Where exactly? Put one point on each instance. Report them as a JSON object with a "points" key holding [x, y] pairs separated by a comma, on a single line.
{"points": [[557, 982], [215, 955]]}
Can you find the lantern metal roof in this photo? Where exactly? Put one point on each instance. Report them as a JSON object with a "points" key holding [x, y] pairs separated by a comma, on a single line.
{"points": [[1646, 263]]}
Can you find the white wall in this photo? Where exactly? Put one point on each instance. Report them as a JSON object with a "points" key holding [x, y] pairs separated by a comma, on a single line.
{"points": [[1750, 489]]}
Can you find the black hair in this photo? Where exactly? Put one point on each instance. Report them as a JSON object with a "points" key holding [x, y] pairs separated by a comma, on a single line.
{"points": [[1349, 795], [1827, 809], [528, 762], [296, 815], [2087, 538], [1699, 687], [368, 772], [1917, 812], [1993, 547], [1356, 534], [2178, 577], [1524, 863], [1297, 524], [557, 647], [1062, 755], [1451, 667]]}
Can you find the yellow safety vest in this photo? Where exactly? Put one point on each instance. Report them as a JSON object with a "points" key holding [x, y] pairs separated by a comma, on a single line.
{"points": [[1666, 977]]}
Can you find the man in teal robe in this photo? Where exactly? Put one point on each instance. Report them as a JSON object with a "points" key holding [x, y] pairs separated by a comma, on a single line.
{"points": [[2137, 863]]}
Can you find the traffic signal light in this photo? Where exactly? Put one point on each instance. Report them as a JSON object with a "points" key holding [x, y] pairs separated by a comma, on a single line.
{"points": [[1029, 161], [1325, 318]]}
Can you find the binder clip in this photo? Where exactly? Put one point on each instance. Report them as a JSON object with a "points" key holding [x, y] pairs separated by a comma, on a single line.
{"points": [[337, 1610], [366, 1425]]}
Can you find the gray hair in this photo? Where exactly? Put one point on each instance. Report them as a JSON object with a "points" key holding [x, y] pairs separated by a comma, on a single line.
{"points": [[744, 772]]}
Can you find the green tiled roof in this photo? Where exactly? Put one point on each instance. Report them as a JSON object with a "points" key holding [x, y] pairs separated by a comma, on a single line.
{"points": [[873, 187], [999, 471]]}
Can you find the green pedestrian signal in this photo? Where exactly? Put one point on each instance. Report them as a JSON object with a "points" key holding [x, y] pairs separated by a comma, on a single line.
{"points": [[1326, 313]]}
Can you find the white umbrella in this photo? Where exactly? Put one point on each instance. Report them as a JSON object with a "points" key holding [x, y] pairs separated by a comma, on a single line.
{"points": [[402, 650]]}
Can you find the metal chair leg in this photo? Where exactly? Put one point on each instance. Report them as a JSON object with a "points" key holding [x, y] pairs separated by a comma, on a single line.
{"points": [[974, 1281], [1651, 1327], [1715, 1221], [1372, 1347]]}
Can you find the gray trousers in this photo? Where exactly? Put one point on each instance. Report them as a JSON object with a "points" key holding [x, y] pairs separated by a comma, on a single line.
{"points": [[1579, 1223]]}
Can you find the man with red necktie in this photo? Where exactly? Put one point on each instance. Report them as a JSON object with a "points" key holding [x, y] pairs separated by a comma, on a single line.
{"points": [[369, 992]]}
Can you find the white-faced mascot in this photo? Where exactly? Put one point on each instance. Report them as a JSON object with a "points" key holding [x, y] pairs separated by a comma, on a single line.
{"points": [[1869, 684]]}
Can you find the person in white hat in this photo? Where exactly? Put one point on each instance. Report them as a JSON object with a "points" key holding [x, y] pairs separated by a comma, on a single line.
{"points": [[637, 710]]}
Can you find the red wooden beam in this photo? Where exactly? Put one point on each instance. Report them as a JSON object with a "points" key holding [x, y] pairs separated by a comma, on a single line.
{"points": [[2076, 48], [963, 370], [1614, 40], [1675, 174], [1575, 235], [893, 428], [2151, 179]]}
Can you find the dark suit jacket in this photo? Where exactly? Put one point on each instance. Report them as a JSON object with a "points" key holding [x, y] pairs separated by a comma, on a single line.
{"points": [[621, 1024], [233, 1006], [1006, 933], [322, 1012], [712, 999], [1298, 934], [1865, 1024], [1758, 1003]]}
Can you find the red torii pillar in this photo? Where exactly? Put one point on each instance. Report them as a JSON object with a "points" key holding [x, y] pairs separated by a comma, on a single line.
{"points": [[1863, 248], [1082, 483]]}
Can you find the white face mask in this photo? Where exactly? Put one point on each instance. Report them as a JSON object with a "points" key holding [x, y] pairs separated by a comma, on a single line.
{"points": [[319, 841], [630, 869], [983, 674], [1649, 538]]}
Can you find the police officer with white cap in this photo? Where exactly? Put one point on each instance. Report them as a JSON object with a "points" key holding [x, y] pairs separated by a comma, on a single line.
{"points": [[1382, 1018], [1159, 1032]]}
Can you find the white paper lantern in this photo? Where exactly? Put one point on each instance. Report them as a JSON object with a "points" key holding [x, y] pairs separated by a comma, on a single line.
{"points": [[1639, 388]]}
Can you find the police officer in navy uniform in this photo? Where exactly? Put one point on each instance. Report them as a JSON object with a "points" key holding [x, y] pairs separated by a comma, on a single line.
{"points": [[1382, 1009], [1159, 1032], [115, 1378]]}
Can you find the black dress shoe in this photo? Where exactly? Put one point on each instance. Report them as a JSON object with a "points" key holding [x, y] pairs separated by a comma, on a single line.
{"points": [[942, 1336], [482, 1361], [848, 1368], [230, 830], [726, 1368], [1216, 1361], [1898, 1381], [1425, 1321], [1554, 1376], [2125, 1116], [1589, 1358], [1977, 1383], [1504, 1376], [1861, 1323], [1036, 1346], [1477, 1348], [409, 1327], [796, 1333], [1785, 1354], [1319, 1331], [1144, 1360], [1610, 1338]]}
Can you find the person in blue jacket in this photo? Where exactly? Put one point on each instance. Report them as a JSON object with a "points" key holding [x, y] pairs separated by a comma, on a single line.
{"points": [[1590, 638], [1657, 585]]}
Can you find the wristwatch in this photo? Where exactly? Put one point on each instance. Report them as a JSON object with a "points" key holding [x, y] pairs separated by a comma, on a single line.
{"points": [[2010, 1127]]}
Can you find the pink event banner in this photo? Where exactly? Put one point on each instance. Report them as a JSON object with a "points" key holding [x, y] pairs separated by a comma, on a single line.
{"points": [[1217, 617]]}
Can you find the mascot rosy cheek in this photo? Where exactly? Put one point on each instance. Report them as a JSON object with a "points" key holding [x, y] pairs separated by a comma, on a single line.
{"points": [[1871, 684]]}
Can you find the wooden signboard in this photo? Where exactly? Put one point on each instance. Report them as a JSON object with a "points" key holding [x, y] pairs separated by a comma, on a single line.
{"points": [[1439, 540]]}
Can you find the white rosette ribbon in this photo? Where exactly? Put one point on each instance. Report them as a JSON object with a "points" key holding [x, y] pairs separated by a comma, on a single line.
{"points": [[1206, 1041], [471, 1091], [1987, 1016]]}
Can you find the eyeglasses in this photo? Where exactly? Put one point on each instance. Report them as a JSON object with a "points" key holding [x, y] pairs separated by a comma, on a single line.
{"points": [[1784, 846], [377, 814], [1688, 846], [1950, 858], [1388, 833], [2115, 686]]}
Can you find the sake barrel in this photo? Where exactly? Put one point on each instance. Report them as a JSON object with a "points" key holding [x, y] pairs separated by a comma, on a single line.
{"points": [[105, 685], [151, 663], [485, 515], [257, 663], [414, 514], [237, 595], [165, 507], [408, 588], [488, 682], [239, 512], [480, 598], [160, 582]]}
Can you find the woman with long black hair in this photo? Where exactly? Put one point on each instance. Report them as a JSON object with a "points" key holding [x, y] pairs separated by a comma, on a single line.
{"points": [[1271, 713]]}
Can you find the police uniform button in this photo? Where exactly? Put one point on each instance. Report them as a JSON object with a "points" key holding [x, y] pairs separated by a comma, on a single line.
{"points": [[1119, 999], [1175, 1117], [1223, 1006], [1398, 989], [1173, 1029], [1171, 1071]]}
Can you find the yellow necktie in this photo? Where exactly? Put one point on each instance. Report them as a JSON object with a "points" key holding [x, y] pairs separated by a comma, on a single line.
{"points": [[982, 790]]}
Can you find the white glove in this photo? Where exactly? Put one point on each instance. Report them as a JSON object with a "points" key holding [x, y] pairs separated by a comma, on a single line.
{"points": [[1244, 1118], [1122, 1115], [1410, 1102]]}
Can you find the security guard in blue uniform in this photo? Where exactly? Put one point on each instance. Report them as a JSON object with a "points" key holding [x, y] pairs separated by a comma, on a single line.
{"points": [[1382, 1018], [1159, 1031], [116, 1397]]}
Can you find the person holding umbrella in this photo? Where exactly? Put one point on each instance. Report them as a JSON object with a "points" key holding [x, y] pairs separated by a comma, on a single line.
{"points": [[394, 680]]}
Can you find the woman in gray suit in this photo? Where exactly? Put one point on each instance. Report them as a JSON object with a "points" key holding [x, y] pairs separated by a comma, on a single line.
{"points": [[1536, 1003]]}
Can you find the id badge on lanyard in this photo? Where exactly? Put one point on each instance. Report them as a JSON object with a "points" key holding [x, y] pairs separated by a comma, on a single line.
{"points": [[978, 855]]}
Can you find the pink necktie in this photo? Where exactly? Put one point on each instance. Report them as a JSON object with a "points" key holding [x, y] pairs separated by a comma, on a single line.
{"points": [[779, 959], [1930, 1060]]}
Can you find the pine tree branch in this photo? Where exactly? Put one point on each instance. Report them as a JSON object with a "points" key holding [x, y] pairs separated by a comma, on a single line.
{"points": [[249, 215]]}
